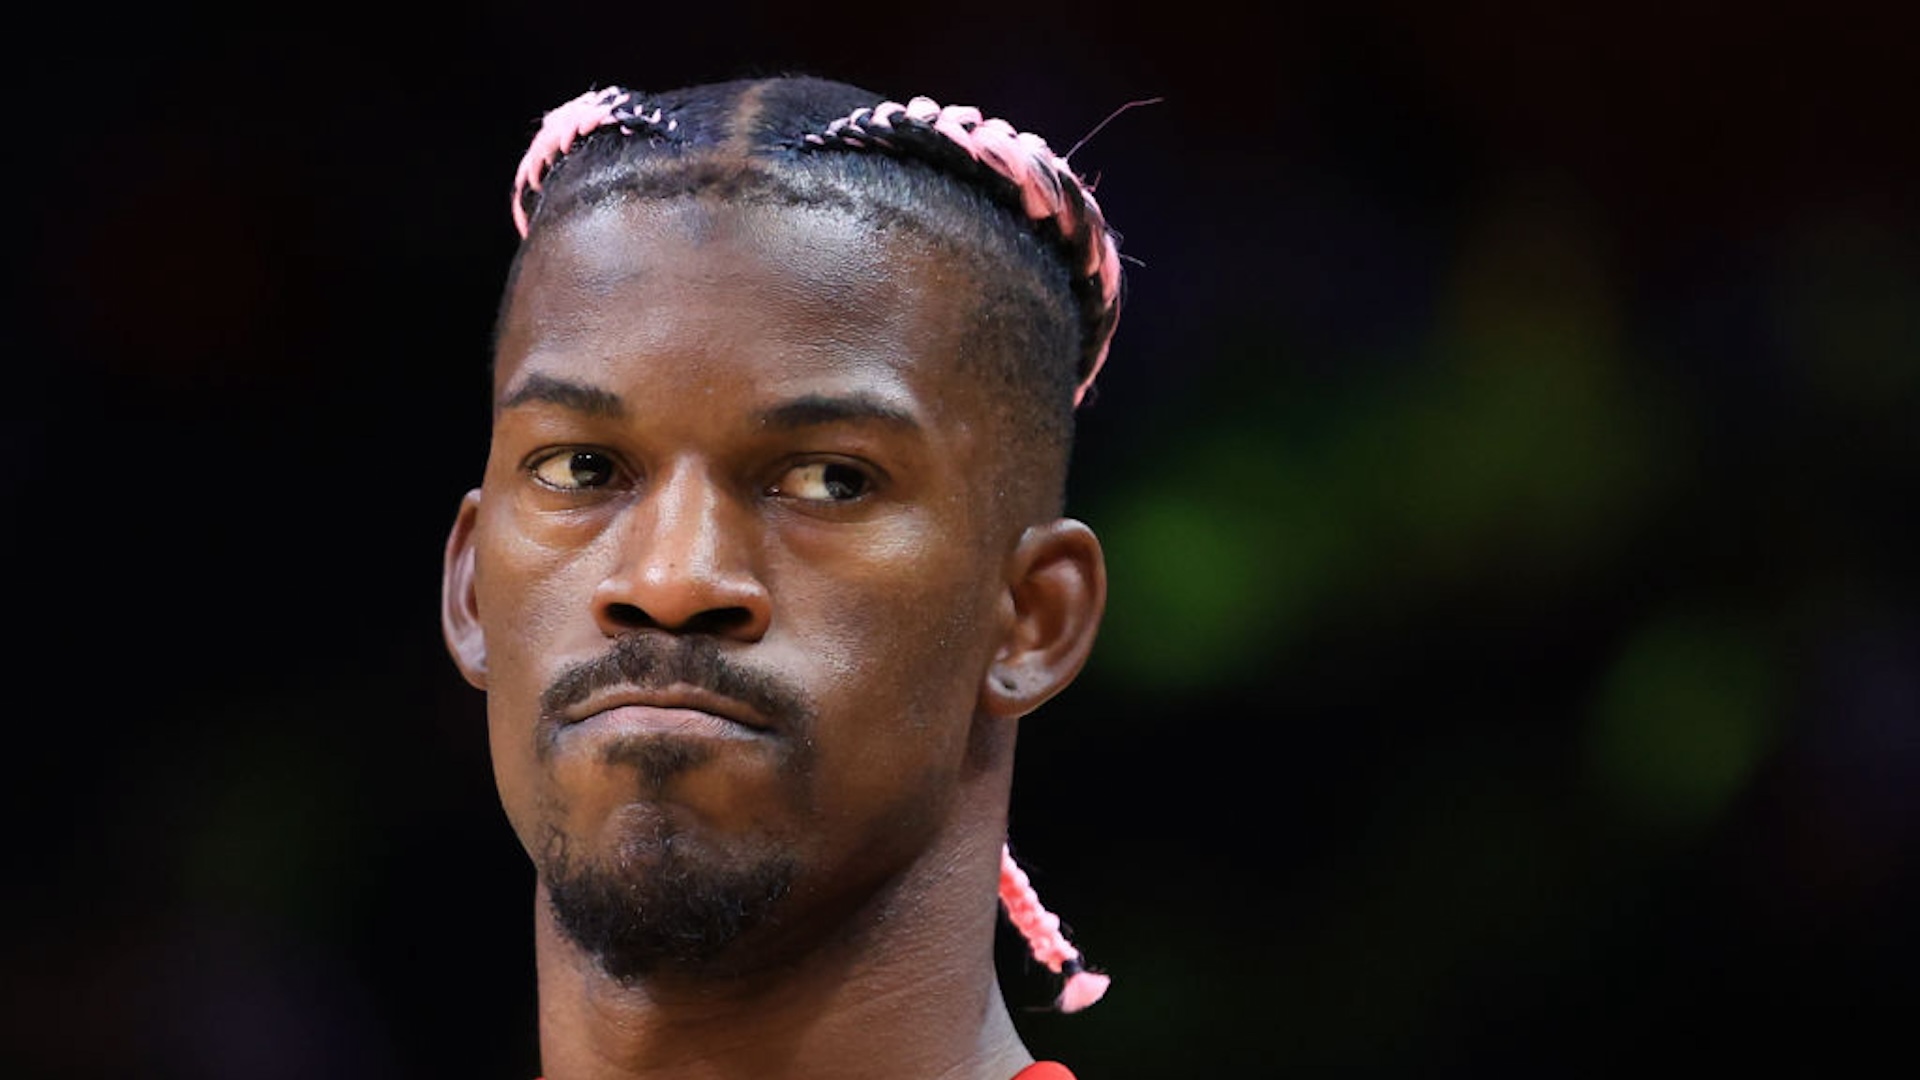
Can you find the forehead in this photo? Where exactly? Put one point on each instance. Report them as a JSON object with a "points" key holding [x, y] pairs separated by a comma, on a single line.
{"points": [[709, 289]]}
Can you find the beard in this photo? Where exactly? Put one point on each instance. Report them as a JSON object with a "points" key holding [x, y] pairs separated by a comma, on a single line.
{"points": [[660, 905], [664, 900]]}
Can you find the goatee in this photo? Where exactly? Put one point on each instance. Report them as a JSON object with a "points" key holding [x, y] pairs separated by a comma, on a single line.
{"points": [[670, 911]]}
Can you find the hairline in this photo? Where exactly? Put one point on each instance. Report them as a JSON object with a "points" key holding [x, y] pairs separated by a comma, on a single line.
{"points": [[733, 178]]}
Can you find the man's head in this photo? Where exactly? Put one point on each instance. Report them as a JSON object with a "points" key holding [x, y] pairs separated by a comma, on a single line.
{"points": [[767, 558]]}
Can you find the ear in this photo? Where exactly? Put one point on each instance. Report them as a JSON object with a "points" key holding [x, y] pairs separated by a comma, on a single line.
{"points": [[459, 607], [1057, 588]]}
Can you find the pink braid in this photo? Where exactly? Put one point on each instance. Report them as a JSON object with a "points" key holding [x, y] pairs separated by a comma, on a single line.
{"points": [[576, 119], [1049, 188], [1041, 928]]}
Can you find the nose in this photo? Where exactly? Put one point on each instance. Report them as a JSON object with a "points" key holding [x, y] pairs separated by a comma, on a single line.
{"points": [[685, 563]]}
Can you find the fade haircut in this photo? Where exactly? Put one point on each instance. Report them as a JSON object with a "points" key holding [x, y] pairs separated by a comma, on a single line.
{"points": [[1042, 262]]}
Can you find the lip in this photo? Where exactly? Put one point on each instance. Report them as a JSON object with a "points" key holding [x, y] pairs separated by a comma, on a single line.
{"points": [[677, 710]]}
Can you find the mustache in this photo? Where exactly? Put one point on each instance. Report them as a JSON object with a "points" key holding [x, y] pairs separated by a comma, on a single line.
{"points": [[652, 661]]}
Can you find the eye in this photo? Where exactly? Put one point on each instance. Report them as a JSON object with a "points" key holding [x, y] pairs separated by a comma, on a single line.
{"points": [[574, 470], [823, 481]]}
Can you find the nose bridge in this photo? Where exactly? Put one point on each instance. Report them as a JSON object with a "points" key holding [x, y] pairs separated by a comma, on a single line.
{"points": [[686, 556], [679, 521]]}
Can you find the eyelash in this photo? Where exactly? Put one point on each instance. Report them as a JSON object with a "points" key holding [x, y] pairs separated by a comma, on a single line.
{"points": [[586, 460]]}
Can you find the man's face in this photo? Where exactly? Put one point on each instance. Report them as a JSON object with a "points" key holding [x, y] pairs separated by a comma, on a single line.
{"points": [[738, 565]]}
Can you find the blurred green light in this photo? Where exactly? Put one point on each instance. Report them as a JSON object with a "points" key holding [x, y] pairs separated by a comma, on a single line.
{"points": [[1211, 561], [1682, 721]]}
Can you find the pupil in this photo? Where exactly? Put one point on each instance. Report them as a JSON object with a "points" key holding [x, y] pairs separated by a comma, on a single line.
{"points": [[841, 482], [588, 469]]}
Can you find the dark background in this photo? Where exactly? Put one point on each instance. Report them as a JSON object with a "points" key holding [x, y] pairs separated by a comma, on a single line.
{"points": [[1507, 463]]}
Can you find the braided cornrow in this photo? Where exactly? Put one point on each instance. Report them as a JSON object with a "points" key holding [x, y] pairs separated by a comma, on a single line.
{"points": [[1019, 168], [1048, 191], [577, 119]]}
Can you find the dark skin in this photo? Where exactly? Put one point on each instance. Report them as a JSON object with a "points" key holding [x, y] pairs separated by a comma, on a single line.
{"points": [[753, 426]]}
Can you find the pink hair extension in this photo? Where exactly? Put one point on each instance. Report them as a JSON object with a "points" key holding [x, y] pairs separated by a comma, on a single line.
{"points": [[576, 119], [1049, 188], [1048, 945]]}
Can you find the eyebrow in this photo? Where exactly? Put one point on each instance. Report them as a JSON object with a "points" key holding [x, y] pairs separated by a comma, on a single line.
{"points": [[813, 410], [810, 410], [565, 393]]}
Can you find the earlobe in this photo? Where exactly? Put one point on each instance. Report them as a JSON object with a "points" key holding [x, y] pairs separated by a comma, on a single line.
{"points": [[1058, 588], [459, 606]]}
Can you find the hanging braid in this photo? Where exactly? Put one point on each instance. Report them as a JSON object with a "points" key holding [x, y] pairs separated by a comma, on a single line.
{"points": [[1045, 940], [704, 137]]}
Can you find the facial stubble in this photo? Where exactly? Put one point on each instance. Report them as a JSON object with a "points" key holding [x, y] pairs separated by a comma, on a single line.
{"points": [[661, 902], [666, 899]]}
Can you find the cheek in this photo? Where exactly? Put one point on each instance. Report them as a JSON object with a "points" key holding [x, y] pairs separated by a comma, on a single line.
{"points": [[898, 597], [522, 592], [528, 594], [899, 641]]}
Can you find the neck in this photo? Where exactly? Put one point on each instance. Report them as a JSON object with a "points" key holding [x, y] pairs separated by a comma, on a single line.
{"points": [[909, 991]]}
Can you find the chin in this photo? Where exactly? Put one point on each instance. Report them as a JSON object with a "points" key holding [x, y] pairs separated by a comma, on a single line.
{"points": [[663, 902]]}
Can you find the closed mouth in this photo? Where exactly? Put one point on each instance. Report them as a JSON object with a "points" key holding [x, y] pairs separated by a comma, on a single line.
{"points": [[686, 710]]}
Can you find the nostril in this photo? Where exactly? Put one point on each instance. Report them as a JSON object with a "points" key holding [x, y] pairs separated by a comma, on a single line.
{"points": [[719, 620], [628, 616]]}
